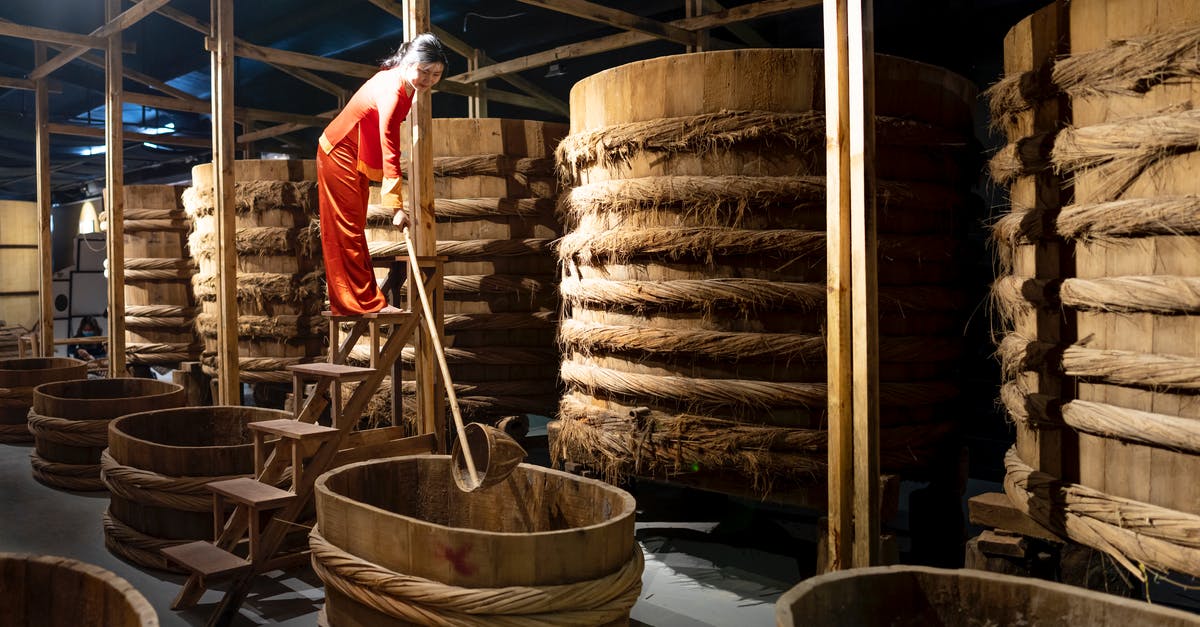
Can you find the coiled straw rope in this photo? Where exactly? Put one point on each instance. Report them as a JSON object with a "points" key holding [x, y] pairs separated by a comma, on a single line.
{"points": [[137, 547], [84, 433], [150, 488], [427, 602], [83, 477]]}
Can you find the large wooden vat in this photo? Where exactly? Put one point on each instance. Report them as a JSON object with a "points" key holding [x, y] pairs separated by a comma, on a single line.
{"points": [[693, 270], [70, 419], [160, 308], [495, 196], [49, 591], [1101, 275], [278, 264], [18, 377], [19, 280], [402, 521], [156, 467], [887, 596]]}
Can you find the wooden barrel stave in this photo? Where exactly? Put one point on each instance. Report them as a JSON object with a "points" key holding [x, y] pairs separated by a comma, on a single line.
{"points": [[49, 591], [18, 377]]}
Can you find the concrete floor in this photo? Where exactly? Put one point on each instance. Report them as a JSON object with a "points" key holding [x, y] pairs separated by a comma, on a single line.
{"points": [[692, 576]]}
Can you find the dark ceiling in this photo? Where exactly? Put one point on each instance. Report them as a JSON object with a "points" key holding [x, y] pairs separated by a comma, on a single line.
{"points": [[963, 35]]}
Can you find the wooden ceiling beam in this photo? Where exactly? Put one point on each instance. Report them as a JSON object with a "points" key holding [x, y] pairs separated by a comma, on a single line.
{"points": [[744, 32], [127, 18], [763, 8], [20, 31], [204, 107], [78, 130], [25, 84], [618, 19]]}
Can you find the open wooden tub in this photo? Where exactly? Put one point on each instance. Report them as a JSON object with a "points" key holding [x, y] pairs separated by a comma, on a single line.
{"points": [[47, 591], [18, 377], [902, 596], [434, 553]]}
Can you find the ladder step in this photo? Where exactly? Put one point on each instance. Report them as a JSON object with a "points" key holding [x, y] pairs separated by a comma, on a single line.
{"points": [[206, 559], [255, 494], [399, 317], [340, 318], [336, 371], [293, 429]]}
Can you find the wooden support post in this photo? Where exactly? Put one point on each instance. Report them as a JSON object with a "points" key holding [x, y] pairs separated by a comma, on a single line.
{"points": [[229, 385], [852, 342], [693, 8], [114, 194], [477, 104], [429, 406], [42, 147]]}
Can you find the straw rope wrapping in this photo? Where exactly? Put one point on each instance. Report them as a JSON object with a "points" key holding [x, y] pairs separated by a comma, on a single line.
{"points": [[492, 164], [141, 220], [731, 394], [449, 208], [303, 241], [1133, 217], [1024, 157], [1013, 295], [16, 433], [160, 317], [1161, 294], [1132, 66], [492, 356], [150, 488], [802, 133], [258, 369], [252, 196], [461, 250], [1018, 92], [86, 433], [1120, 151], [282, 327], [261, 287], [497, 284], [1127, 530], [427, 602], [495, 321], [1154, 370], [84, 477], [137, 547], [159, 268]]}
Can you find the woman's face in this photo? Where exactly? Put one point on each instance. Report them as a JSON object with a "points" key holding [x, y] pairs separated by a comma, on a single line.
{"points": [[423, 75]]}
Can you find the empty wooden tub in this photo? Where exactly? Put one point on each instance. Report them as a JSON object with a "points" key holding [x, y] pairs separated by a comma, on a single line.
{"points": [[47, 591], [18, 377], [70, 424], [435, 554], [915, 595], [156, 467]]}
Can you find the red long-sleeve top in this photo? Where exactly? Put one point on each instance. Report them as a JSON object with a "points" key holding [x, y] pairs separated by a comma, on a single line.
{"points": [[375, 111]]}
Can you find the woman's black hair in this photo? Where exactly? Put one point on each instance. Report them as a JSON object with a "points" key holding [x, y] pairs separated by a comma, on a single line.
{"points": [[425, 48]]}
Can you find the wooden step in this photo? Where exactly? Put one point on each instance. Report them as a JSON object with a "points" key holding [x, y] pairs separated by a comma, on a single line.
{"points": [[206, 559], [341, 372], [255, 494], [340, 318], [398, 317], [293, 429]]}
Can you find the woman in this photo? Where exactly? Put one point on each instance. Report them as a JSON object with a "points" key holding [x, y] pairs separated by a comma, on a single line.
{"points": [[363, 143]]}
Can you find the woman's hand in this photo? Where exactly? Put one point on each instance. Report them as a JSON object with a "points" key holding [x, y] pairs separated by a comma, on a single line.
{"points": [[400, 219]]}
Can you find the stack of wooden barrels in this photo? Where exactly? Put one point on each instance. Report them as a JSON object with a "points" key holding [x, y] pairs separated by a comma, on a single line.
{"points": [[279, 275], [1100, 286], [693, 269], [495, 197]]}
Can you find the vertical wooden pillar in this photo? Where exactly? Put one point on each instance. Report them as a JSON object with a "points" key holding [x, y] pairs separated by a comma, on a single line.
{"points": [[695, 8], [477, 105], [42, 148], [114, 194], [222, 59], [853, 338], [429, 406]]}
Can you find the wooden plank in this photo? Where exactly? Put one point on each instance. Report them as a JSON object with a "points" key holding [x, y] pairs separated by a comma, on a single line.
{"points": [[204, 107], [744, 32], [763, 8], [993, 509], [113, 26], [838, 314], [864, 258], [275, 56], [465, 49], [78, 130], [114, 189], [694, 8], [42, 148], [24, 84], [994, 543], [618, 19], [10, 29], [477, 105], [230, 388]]}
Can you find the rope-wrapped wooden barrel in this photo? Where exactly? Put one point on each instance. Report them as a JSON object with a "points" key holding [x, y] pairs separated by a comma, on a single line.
{"points": [[1101, 285], [160, 308], [495, 197], [884, 596], [156, 467], [70, 420], [50, 591], [278, 261], [454, 557], [19, 280], [693, 270], [18, 377]]}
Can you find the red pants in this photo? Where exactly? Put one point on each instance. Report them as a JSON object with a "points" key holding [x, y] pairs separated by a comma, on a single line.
{"points": [[343, 194]]}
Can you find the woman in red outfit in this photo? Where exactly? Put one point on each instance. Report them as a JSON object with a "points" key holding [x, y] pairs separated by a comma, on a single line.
{"points": [[363, 143]]}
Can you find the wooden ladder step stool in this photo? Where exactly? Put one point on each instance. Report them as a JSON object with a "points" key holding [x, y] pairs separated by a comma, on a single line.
{"points": [[207, 560], [326, 375], [296, 432], [339, 349], [257, 498]]}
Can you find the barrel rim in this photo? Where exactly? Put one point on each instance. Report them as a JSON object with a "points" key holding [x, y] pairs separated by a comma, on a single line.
{"points": [[787, 600], [166, 388], [628, 509], [58, 363], [115, 424], [138, 603]]}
